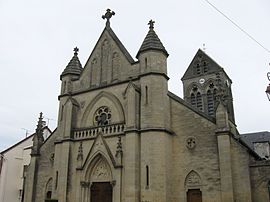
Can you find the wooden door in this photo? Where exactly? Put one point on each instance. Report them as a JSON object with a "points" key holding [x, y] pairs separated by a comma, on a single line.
{"points": [[101, 192], [194, 195]]}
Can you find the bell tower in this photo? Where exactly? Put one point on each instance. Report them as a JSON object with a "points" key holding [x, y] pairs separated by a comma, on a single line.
{"points": [[206, 84]]}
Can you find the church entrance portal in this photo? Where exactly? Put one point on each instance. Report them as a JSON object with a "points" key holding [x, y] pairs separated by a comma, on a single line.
{"points": [[194, 195], [101, 192]]}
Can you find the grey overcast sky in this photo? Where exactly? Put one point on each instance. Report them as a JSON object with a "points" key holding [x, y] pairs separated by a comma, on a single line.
{"points": [[37, 38]]}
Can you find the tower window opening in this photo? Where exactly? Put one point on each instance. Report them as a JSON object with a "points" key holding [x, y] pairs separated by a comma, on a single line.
{"points": [[210, 103], [146, 95], [56, 180], [199, 101], [147, 177], [192, 99], [198, 69], [205, 68], [145, 63]]}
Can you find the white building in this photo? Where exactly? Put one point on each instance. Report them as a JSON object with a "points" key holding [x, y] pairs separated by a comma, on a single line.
{"points": [[13, 162]]}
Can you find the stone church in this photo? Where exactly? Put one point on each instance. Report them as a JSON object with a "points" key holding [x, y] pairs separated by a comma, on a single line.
{"points": [[123, 137]]}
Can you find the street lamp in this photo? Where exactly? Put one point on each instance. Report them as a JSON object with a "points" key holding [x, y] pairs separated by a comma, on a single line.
{"points": [[268, 87]]}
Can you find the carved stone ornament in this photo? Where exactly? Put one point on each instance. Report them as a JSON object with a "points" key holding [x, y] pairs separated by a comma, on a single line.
{"points": [[101, 172], [102, 116], [193, 179], [85, 184], [191, 142]]}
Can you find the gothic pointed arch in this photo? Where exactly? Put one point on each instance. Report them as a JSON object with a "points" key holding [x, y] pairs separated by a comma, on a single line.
{"points": [[100, 147], [193, 180], [103, 99], [195, 96], [48, 189], [98, 169]]}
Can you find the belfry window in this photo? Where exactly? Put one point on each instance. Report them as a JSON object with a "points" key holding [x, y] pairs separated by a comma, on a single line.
{"points": [[205, 68], [102, 116], [211, 94], [192, 99], [198, 69], [210, 103], [199, 101]]}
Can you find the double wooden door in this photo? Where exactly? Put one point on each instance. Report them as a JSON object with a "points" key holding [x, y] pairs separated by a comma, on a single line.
{"points": [[101, 192], [194, 195]]}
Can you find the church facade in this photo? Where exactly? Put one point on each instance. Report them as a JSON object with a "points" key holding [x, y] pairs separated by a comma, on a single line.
{"points": [[123, 137]]}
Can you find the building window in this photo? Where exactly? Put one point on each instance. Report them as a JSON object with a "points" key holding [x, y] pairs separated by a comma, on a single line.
{"points": [[192, 100], [199, 101], [146, 95], [198, 69], [268, 186], [56, 180], [147, 177], [102, 116], [210, 103], [205, 68], [145, 63]]}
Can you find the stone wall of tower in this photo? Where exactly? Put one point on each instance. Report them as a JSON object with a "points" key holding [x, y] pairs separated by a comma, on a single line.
{"points": [[201, 160], [259, 174]]}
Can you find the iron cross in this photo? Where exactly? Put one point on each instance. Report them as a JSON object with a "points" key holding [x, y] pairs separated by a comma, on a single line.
{"points": [[76, 50], [151, 24], [108, 16]]}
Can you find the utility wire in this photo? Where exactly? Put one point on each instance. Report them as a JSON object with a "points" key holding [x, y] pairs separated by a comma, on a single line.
{"points": [[242, 30]]}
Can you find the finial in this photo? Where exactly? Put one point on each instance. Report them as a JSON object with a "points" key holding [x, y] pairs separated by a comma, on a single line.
{"points": [[76, 50], [204, 48], [108, 15], [151, 24], [40, 121]]}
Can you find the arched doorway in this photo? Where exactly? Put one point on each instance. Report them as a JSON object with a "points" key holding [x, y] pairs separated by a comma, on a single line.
{"points": [[101, 192], [193, 185], [194, 195], [99, 181]]}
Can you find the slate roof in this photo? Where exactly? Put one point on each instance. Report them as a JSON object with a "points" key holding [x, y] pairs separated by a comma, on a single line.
{"points": [[74, 66], [152, 42], [28, 137], [213, 66], [250, 138]]}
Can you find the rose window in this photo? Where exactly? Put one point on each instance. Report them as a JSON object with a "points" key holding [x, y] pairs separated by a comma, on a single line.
{"points": [[102, 116]]}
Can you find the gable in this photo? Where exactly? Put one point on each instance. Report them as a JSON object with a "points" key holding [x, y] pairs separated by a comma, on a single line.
{"points": [[108, 63], [201, 64]]}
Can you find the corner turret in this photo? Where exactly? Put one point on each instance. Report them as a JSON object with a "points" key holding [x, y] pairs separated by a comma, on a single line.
{"points": [[152, 57], [71, 72]]}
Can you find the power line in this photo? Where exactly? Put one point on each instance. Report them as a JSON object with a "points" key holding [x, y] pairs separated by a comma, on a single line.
{"points": [[235, 24]]}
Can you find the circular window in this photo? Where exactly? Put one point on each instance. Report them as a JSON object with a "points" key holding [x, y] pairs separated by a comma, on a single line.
{"points": [[102, 116]]}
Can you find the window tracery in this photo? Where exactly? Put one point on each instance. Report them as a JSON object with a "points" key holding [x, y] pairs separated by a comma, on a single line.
{"points": [[102, 116], [196, 98]]}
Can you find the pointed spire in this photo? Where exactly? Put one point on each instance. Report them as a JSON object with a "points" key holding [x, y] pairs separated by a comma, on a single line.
{"points": [[151, 41], [39, 129], [74, 67], [38, 138]]}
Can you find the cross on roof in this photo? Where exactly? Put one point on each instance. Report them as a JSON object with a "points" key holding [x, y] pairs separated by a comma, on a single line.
{"points": [[151, 24], [76, 50], [108, 16]]}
